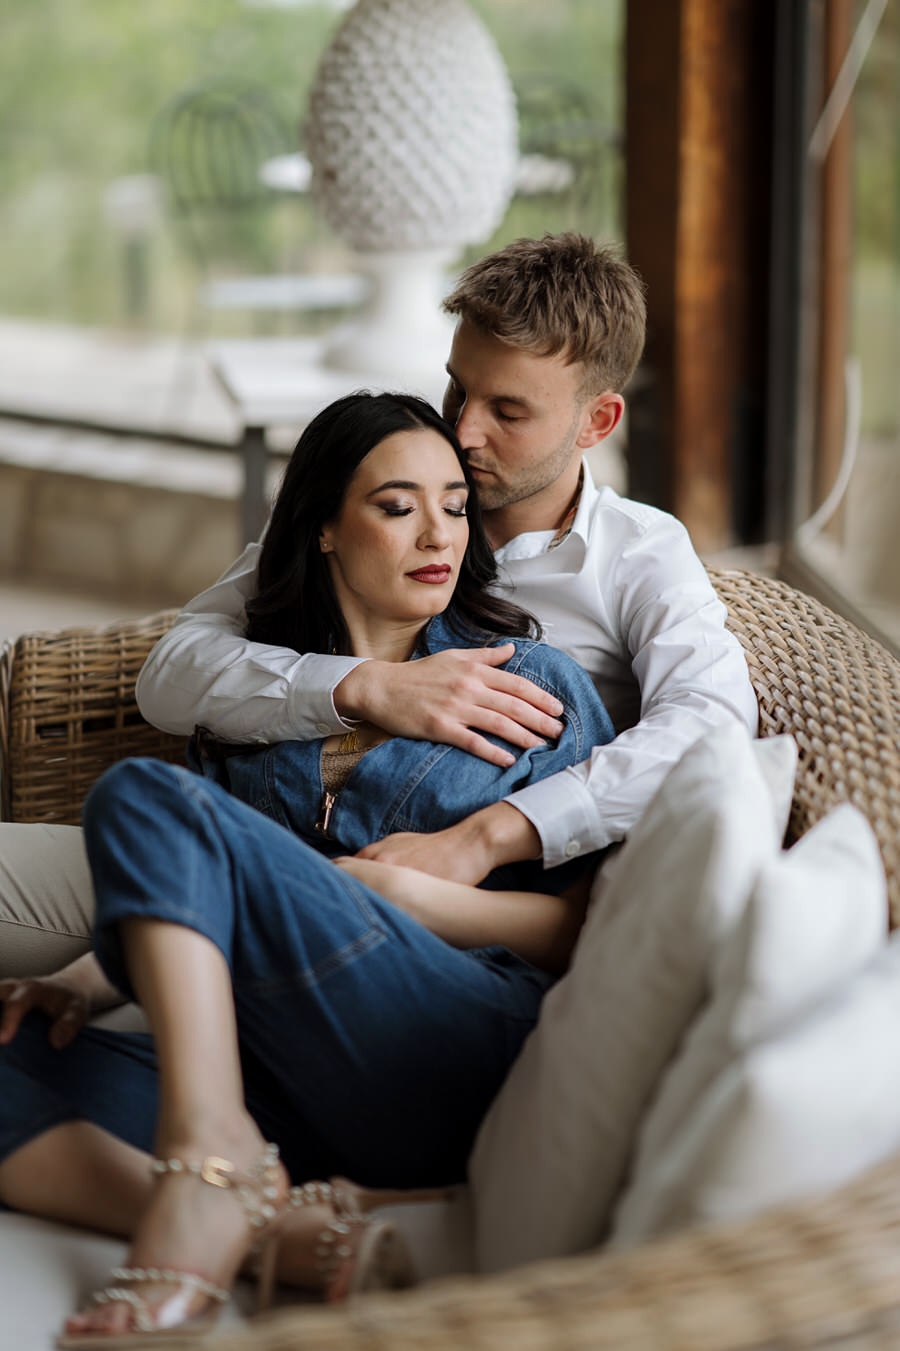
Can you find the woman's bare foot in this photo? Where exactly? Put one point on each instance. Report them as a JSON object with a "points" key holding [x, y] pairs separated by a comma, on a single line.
{"points": [[193, 1226]]}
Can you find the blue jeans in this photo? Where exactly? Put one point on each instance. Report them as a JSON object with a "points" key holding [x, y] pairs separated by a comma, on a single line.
{"points": [[369, 1045]]}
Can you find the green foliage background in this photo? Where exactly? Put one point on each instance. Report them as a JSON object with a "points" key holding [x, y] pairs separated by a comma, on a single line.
{"points": [[81, 82]]}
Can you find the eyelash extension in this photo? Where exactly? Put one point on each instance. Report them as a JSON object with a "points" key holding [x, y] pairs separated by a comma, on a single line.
{"points": [[405, 511]]}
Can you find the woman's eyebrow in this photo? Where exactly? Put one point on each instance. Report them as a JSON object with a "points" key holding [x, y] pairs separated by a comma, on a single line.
{"points": [[415, 487]]}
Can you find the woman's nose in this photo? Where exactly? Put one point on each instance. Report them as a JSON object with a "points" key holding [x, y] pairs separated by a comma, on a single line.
{"points": [[436, 532]]}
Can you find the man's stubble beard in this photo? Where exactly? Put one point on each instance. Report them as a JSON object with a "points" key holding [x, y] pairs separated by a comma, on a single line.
{"points": [[494, 496]]}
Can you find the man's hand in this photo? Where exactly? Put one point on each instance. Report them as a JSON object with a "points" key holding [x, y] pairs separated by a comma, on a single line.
{"points": [[466, 852], [67, 1008], [452, 697]]}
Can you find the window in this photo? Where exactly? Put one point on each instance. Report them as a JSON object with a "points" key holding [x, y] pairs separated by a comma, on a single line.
{"points": [[844, 492]]}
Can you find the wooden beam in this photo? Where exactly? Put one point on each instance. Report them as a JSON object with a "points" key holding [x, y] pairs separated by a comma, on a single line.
{"points": [[698, 119]]}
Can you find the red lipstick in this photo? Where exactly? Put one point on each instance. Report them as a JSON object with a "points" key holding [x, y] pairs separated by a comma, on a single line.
{"points": [[435, 573]]}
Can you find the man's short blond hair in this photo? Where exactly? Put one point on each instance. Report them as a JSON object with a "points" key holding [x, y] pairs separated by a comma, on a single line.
{"points": [[561, 294]]}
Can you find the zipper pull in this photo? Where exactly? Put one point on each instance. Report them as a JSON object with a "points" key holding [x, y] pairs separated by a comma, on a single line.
{"points": [[323, 820]]}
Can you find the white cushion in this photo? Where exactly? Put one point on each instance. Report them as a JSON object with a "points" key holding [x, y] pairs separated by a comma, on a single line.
{"points": [[817, 916], [796, 1115], [552, 1152]]}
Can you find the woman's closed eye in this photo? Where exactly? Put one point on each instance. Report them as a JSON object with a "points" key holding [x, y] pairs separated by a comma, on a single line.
{"points": [[456, 509]]}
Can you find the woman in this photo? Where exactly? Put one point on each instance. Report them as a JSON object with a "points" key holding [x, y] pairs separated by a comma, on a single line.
{"points": [[359, 1018]]}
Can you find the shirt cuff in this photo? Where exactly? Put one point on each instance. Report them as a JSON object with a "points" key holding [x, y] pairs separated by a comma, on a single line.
{"points": [[312, 698], [564, 814]]}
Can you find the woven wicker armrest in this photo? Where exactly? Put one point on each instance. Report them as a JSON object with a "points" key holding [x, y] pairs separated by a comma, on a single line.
{"points": [[837, 691], [67, 712], [824, 1274]]}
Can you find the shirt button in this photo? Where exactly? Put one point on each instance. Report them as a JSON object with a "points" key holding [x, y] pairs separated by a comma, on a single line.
{"points": [[323, 728], [573, 848]]}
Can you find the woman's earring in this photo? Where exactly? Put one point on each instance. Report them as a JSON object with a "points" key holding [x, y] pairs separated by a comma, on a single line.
{"points": [[324, 546]]}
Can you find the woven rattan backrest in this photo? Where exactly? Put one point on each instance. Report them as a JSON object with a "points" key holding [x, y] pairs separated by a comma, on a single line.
{"points": [[67, 709], [837, 691], [67, 712]]}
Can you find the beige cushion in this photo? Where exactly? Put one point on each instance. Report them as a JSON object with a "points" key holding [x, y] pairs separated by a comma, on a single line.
{"points": [[552, 1153], [817, 916], [46, 898]]}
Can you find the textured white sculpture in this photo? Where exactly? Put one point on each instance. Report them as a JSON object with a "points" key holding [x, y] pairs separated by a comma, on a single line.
{"points": [[411, 128]]}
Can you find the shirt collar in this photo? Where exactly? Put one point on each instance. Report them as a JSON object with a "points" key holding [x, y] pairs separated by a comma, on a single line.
{"points": [[572, 533]]}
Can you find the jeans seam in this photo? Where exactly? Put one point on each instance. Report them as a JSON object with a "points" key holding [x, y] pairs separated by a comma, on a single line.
{"points": [[410, 783], [310, 978]]}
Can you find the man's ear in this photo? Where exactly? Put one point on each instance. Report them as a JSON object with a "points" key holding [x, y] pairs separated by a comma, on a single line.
{"points": [[600, 416]]}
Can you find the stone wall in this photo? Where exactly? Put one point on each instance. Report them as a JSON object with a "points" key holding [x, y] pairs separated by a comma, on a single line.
{"points": [[128, 520]]}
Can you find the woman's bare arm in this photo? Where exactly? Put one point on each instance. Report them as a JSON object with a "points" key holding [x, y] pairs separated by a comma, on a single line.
{"points": [[541, 928]]}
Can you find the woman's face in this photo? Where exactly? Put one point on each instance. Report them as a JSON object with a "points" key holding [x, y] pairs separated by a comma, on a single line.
{"points": [[395, 548]]}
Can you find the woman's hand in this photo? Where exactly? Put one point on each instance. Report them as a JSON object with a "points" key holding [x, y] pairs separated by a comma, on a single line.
{"points": [[403, 887], [66, 1006], [542, 929], [69, 997]]}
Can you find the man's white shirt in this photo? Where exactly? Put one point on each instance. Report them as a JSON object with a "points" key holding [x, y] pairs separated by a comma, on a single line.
{"points": [[623, 593]]}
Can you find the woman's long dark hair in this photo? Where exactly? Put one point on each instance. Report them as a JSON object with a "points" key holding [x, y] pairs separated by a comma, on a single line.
{"points": [[295, 605]]}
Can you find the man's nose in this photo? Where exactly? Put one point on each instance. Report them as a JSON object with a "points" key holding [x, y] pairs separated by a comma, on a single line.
{"points": [[470, 427]]}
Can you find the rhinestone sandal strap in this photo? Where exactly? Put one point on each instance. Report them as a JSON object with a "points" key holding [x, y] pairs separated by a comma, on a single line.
{"points": [[332, 1243], [257, 1189], [311, 1194], [168, 1276], [144, 1316], [115, 1294]]}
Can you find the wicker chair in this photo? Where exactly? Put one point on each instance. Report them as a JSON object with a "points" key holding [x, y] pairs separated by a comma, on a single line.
{"points": [[826, 1273]]}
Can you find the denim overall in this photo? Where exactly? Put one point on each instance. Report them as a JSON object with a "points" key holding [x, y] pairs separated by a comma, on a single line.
{"points": [[369, 1046]]}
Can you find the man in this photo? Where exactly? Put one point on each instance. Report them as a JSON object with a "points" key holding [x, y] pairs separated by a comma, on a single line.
{"points": [[549, 333]]}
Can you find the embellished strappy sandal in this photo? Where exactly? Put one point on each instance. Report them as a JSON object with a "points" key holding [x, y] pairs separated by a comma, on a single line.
{"points": [[262, 1192], [354, 1251]]}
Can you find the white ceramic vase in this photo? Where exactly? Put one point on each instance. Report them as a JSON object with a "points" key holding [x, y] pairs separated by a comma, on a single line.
{"points": [[412, 136]]}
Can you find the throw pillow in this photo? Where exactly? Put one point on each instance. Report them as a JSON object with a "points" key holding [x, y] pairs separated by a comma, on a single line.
{"points": [[551, 1154], [817, 916], [796, 1115]]}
